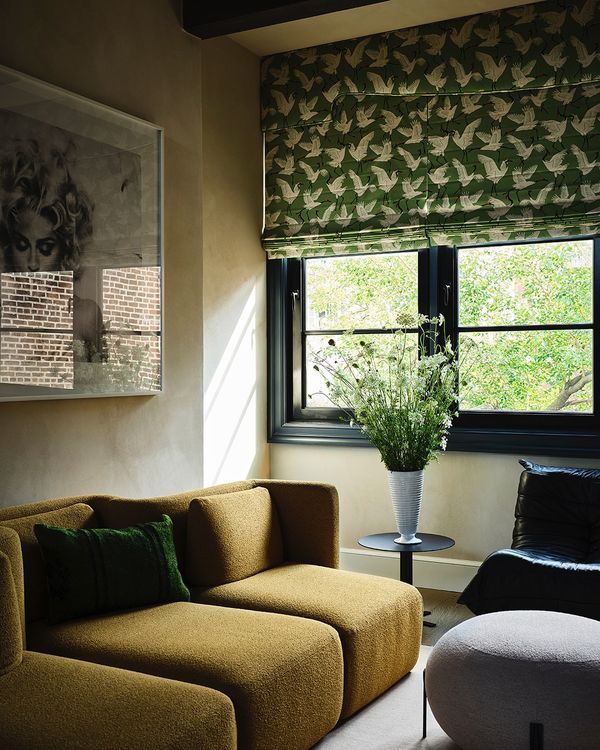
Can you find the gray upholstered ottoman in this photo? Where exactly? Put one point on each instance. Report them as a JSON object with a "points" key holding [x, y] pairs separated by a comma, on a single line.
{"points": [[518, 680]]}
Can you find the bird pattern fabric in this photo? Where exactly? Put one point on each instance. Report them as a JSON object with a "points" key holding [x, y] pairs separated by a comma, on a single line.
{"points": [[475, 130]]}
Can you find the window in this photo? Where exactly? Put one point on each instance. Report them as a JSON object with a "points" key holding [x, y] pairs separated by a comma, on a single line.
{"points": [[524, 317]]}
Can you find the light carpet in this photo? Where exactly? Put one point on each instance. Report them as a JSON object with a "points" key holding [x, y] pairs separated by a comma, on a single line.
{"points": [[393, 721]]}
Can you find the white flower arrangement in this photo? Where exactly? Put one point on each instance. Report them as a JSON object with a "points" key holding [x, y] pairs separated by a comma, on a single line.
{"points": [[403, 396]]}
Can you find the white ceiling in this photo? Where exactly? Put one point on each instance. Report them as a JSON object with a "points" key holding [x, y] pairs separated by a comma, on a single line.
{"points": [[370, 19]]}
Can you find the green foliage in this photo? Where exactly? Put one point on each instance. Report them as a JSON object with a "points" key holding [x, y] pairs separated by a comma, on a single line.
{"points": [[403, 396]]}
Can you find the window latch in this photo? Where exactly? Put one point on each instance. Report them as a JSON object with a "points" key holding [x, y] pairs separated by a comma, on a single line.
{"points": [[295, 299], [446, 294]]}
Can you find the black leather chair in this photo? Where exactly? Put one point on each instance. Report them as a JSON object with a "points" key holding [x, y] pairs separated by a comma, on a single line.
{"points": [[554, 560]]}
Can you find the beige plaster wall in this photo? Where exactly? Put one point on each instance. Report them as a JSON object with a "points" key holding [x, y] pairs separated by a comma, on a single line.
{"points": [[468, 496], [234, 269], [132, 56]]}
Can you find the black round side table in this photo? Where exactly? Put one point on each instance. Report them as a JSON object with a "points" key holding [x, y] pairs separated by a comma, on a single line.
{"points": [[386, 543]]}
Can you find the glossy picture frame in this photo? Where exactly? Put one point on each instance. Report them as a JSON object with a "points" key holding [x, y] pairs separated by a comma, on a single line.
{"points": [[81, 246]]}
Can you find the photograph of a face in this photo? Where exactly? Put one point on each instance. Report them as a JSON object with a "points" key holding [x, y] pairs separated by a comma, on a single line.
{"points": [[80, 246]]}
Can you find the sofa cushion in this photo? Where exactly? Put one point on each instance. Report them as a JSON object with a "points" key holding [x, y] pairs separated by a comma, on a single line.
{"points": [[51, 703], [379, 620], [283, 674], [78, 516], [91, 571], [11, 639], [232, 536]]}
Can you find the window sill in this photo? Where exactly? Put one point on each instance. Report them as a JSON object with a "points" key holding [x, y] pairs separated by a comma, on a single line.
{"points": [[473, 440]]}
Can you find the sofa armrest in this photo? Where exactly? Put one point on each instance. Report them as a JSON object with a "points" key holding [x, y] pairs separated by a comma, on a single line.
{"points": [[10, 546], [55, 702], [309, 518], [11, 639]]}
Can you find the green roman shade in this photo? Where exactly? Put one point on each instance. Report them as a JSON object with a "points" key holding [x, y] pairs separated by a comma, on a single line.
{"points": [[478, 129]]}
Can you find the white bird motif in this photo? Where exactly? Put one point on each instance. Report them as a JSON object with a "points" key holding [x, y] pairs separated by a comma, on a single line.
{"points": [[271, 219], [464, 177], [553, 58], [436, 78], [554, 20], [283, 104], [410, 36], [363, 116], [411, 162], [501, 107], [384, 152], [500, 207], [331, 93], [492, 139], [288, 194], [336, 155], [447, 112], [392, 120], [523, 151], [470, 103], [293, 226], [306, 82], [565, 96], [406, 89], [491, 36], [462, 76], [522, 45], [438, 176], [538, 98], [391, 214], [337, 187], [525, 14], [363, 210], [269, 156], [492, 69], [410, 188], [343, 124], [406, 64], [379, 85], [332, 62], [323, 128], [584, 58], [355, 57], [494, 172], [323, 220], [463, 35], [520, 73], [584, 164], [556, 163], [586, 124], [379, 56], [540, 199], [306, 109], [311, 199], [359, 152], [590, 91], [465, 139], [308, 55], [444, 207], [589, 192], [584, 14], [293, 137], [522, 177], [351, 86], [436, 43], [286, 166], [360, 188], [527, 119], [313, 149], [469, 202], [414, 134], [556, 129], [563, 198], [385, 181], [312, 174], [281, 75], [439, 144]]}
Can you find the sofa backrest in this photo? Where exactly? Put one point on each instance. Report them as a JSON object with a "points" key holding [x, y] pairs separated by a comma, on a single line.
{"points": [[558, 511]]}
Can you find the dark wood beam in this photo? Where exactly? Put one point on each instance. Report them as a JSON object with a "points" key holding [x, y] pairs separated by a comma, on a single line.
{"points": [[208, 20]]}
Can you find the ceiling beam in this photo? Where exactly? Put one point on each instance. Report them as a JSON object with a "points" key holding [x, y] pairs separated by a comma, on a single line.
{"points": [[207, 20]]}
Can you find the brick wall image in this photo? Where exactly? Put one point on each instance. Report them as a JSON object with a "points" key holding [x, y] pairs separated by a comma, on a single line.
{"points": [[41, 301]]}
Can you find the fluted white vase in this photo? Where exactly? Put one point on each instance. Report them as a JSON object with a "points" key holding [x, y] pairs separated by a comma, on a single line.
{"points": [[406, 491]]}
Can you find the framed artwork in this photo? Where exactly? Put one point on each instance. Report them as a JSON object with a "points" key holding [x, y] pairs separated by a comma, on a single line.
{"points": [[80, 246]]}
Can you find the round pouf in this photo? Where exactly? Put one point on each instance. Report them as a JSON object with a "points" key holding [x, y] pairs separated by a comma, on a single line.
{"points": [[490, 678]]}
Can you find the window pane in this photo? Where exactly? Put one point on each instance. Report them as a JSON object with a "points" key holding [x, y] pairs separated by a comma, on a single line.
{"points": [[367, 291], [539, 283], [316, 390], [543, 371]]}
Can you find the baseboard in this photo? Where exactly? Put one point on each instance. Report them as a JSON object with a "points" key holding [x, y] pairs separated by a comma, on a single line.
{"points": [[443, 573]]}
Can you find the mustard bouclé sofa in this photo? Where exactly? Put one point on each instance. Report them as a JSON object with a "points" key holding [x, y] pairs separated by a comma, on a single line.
{"points": [[276, 646]]}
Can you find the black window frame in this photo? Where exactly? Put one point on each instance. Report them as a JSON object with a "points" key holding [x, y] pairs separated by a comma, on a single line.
{"points": [[576, 435]]}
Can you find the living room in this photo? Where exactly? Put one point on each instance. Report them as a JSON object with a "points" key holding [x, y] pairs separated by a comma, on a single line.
{"points": [[218, 417]]}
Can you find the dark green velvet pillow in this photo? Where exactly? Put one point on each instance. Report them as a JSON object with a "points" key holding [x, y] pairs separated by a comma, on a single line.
{"points": [[91, 571]]}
